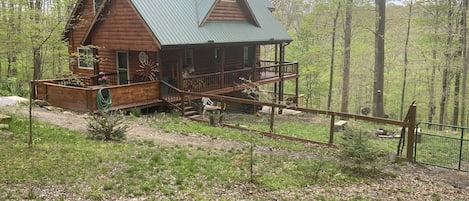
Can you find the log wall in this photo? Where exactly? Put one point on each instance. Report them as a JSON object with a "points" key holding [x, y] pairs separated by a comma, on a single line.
{"points": [[121, 28], [230, 11]]}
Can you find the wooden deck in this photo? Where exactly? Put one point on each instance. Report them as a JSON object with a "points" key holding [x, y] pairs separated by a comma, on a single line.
{"points": [[146, 94]]}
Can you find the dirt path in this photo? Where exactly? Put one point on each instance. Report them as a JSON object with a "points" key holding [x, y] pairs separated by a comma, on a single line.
{"points": [[138, 130]]}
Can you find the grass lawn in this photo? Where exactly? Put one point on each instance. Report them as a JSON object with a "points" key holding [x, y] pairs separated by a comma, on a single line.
{"points": [[64, 165]]}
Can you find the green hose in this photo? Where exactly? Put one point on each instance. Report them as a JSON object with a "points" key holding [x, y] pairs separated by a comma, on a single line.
{"points": [[104, 103]]}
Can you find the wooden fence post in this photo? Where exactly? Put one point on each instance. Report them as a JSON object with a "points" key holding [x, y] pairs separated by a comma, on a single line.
{"points": [[331, 130], [411, 132], [272, 117]]}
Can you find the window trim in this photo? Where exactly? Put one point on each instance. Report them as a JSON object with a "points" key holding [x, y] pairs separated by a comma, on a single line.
{"points": [[248, 59], [82, 52], [217, 55], [188, 54]]}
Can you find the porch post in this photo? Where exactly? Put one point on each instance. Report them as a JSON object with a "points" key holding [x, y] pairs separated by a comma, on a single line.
{"points": [[96, 67], [222, 68], [280, 73], [276, 63], [253, 63], [180, 78], [159, 66]]}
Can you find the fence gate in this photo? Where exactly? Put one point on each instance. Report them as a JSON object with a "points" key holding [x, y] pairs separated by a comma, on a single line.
{"points": [[442, 145]]}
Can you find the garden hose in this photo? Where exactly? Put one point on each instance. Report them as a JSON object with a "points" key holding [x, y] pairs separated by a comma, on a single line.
{"points": [[104, 103]]}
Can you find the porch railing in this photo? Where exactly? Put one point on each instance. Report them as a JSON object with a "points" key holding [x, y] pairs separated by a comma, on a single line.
{"points": [[266, 70], [82, 81]]}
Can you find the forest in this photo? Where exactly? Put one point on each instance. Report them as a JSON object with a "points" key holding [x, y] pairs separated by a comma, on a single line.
{"points": [[371, 57]]}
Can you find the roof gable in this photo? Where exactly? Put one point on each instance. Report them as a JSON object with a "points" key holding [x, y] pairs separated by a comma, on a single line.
{"points": [[236, 10], [178, 23]]}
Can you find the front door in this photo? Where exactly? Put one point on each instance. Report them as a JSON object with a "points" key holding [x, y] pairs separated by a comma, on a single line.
{"points": [[123, 67]]}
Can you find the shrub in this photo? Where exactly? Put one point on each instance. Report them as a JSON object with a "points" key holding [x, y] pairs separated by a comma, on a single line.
{"points": [[136, 112], [356, 148], [14, 87], [106, 126]]}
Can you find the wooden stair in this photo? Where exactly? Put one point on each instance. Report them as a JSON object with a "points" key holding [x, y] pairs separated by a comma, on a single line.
{"points": [[189, 110]]}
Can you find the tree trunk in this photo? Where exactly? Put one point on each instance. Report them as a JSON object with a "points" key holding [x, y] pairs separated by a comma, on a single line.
{"points": [[378, 83], [347, 44], [331, 76], [448, 56], [431, 90], [36, 7], [464, 61], [457, 81], [406, 62]]}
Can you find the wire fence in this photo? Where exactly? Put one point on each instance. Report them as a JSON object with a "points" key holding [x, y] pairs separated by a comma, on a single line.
{"points": [[443, 146]]}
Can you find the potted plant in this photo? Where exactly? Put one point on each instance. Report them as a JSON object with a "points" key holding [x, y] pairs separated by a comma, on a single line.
{"points": [[103, 79]]}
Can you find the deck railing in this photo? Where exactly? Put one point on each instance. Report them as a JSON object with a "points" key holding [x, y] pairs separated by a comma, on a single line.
{"points": [[265, 70], [81, 81]]}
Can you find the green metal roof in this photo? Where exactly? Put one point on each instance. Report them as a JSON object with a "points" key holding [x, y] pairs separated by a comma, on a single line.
{"points": [[177, 22]]}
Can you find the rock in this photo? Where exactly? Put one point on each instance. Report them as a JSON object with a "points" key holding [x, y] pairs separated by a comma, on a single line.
{"points": [[5, 119], [41, 103], [4, 127]]}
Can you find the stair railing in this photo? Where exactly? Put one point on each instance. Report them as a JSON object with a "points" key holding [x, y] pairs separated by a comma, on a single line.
{"points": [[172, 96]]}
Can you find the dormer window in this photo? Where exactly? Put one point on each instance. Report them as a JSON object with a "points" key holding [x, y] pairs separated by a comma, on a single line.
{"points": [[97, 4], [229, 0]]}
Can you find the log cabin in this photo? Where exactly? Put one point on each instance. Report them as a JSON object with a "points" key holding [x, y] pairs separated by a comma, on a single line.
{"points": [[153, 52]]}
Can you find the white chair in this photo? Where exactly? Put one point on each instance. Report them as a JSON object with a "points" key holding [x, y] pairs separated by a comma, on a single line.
{"points": [[207, 104]]}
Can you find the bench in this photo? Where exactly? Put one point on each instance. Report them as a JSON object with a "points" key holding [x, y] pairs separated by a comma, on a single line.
{"points": [[339, 125]]}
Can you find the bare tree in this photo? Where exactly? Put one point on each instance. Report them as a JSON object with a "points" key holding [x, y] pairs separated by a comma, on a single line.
{"points": [[378, 82], [446, 69], [464, 60], [331, 76], [347, 48], [406, 61]]}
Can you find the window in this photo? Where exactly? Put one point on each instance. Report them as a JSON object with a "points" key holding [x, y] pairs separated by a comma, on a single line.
{"points": [[249, 56], [217, 55], [229, 0], [188, 58], [85, 58], [97, 4]]}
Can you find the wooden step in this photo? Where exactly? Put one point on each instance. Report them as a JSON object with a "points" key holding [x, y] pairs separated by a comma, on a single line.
{"points": [[190, 112], [197, 116]]}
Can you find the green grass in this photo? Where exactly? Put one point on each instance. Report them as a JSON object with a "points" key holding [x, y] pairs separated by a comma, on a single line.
{"points": [[65, 161], [289, 125]]}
